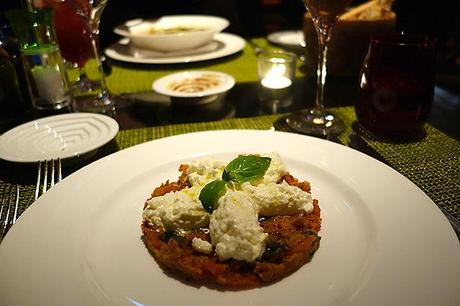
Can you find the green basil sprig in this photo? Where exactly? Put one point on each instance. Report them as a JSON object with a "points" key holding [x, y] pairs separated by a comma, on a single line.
{"points": [[211, 193], [244, 168]]}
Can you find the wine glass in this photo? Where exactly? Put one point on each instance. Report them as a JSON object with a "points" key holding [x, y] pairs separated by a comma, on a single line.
{"points": [[317, 121], [77, 27], [90, 11]]}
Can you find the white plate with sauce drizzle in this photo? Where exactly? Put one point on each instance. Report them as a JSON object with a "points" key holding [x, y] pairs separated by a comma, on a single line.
{"points": [[194, 84]]}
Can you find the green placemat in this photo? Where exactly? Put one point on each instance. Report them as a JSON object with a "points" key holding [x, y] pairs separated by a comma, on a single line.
{"points": [[433, 163], [128, 78]]}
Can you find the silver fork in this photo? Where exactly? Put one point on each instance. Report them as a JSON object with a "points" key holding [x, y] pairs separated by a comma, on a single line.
{"points": [[9, 203], [47, 168]]}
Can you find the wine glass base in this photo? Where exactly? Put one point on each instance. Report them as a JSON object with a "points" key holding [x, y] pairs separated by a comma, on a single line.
{"points": [[314, 123], [95, 104]]}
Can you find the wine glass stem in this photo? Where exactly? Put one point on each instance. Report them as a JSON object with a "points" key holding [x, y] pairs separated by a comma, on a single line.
{"points": [[97, 56], [93, 22], [323, 33]]}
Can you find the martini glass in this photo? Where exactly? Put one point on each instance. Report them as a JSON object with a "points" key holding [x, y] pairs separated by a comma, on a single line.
{"points": [[317, 121]]}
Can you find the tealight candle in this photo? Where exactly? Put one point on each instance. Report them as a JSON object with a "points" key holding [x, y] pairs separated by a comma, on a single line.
{"points": [[276, 72], [49, 84], [276, 82]]}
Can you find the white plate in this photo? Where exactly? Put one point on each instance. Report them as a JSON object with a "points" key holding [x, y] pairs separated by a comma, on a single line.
{"points": [[206, 26], [163, 85], [384, 242], [287, 38], [59, 136], [224, 44]]}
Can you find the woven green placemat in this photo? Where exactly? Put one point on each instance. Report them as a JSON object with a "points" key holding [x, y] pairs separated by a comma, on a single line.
{"points": [[433, 163], [128, 78]]}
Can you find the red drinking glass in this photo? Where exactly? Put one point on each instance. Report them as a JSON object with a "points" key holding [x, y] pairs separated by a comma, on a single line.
{"points": [[396, 85], [73, 33]]}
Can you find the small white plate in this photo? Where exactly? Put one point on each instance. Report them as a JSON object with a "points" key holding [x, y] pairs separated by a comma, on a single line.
{"points": [[287, 38], [60, 136], [203, 83], [224, 44]]}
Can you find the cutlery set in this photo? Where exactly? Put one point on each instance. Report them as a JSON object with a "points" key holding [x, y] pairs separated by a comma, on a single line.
{"points": [[49, 173], [51, 168]]}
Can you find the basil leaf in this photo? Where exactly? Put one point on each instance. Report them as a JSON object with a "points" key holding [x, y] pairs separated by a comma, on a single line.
{"points": [[273, 251], [246, 168], [211, 193], [172, 235]]}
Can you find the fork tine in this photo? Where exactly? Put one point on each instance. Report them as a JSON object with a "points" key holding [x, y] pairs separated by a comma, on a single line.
{"points": [[52, 173], [56, 171], [16, 205], [10, 200], [7, 199], [2, 202], [45, 178], [59, 170], [3, 206], [48, 171], [37, 186]]}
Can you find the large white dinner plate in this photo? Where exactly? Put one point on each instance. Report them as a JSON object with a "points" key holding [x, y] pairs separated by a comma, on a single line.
{"points": [[59, 136], [224, 44], [384, 242]]}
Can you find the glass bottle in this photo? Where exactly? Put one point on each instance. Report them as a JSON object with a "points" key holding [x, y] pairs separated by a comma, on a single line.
{"points": [[14, 97], [42, 59]]}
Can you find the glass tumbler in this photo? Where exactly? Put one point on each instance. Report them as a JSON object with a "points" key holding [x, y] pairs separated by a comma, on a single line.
{"points": [[396, 86], [41, 56]]}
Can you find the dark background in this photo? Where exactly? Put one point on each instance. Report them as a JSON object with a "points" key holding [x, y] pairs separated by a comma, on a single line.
{"points": [[250, 18], [257, 18]]}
